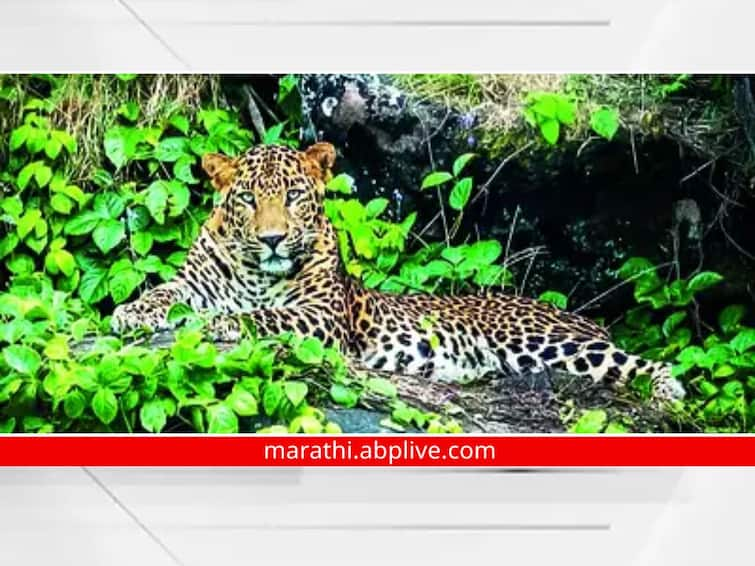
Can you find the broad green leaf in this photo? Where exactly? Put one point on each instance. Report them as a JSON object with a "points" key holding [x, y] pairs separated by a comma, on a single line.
{"points": [[108, 234], [105, 405], [703, 281], [309, 351], [157, 199], [744, 340], [272, 395], [152, 416], [436, 178], [550, 129], [221, 420], [558, 300], [341, 183], [83, 223], [376, 207], [605, 122], [343, 395], [242, 402], [296, 391], [22, 359], [673, 320], [93, 286], [460, 193], [306, 424], [141, 242], [171, 149], [730, 317], [461, 162], [74, 404], [590, 422]]}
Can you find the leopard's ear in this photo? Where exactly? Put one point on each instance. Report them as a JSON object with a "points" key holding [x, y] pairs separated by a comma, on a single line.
{"points": [[220, 169], [321, 157]]}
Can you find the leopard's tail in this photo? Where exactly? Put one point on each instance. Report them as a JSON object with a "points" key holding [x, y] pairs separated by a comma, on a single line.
{"points": [[604, 361]]}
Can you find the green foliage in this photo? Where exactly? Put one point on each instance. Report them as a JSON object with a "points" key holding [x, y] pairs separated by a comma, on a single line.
{"points": [[377, 251], [716, 364], [605, 122], [548, 112], [50, 386]]}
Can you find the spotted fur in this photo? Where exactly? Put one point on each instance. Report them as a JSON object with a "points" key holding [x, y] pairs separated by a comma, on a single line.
{"points": [[269, 253]]}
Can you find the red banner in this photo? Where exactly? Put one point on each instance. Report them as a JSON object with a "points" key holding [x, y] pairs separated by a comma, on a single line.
{"points": [[380, 450]]}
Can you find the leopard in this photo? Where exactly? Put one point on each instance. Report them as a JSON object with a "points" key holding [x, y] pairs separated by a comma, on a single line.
{"points": [[268, 258]]}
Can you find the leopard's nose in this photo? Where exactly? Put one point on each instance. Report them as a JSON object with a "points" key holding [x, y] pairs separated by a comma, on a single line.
{"points": [[271, 240]]}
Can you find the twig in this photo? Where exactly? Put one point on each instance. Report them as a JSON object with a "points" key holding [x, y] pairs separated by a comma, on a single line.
{"points": [[621, 284], [254, 112]]}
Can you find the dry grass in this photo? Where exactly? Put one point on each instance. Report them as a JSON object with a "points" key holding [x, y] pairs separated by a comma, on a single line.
{"points": [[87, 105]]}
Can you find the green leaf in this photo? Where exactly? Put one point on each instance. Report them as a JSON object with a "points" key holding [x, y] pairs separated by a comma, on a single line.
{"points": [[123, 280], [182, 170], [74, 404], [484, 252], [558, 300], [82, 223], [26, 174], [730, 317], [242, 402], [61, 203], [129, 110], [382, 386], [65, 139], [566, 111], [341, 183], [18, 136], [460, 193], [93, 286], [272, 396], [703, 281], [461, 162], [28, 222], [157, 199], [108, 234], [171, 149], [605, 122], [42, 175], [376, 207], [296, 391], [152, 416], [178, 198], [105, 405], [344, 395], [179, 122], [222, 420], [309, 351], [590, 422], [670, 324], [65, 261], [550, 129], [744, 340], [141, 242], [22, 359], [306, 424], [436, 178]]}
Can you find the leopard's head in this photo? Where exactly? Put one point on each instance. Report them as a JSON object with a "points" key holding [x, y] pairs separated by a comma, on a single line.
{"points": [[271, 202]]}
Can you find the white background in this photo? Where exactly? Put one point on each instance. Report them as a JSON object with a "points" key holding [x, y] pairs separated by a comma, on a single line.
{"points": [[155, 517], [234, 517], [713, 36]]}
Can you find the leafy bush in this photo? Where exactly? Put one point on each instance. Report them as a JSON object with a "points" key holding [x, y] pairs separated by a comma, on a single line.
{"points": [[716, 363]]}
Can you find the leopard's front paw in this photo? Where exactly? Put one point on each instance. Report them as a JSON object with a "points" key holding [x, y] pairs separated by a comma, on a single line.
{"points": [[131, 316]]}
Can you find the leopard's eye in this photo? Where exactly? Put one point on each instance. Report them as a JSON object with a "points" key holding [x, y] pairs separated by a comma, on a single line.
{"points": [[247, 198], [292, 195]]}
